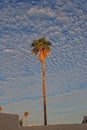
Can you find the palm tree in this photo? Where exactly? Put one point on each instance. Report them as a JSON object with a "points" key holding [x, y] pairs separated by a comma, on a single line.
{"points": [[0, 108], [26, 117], [41, 48]]}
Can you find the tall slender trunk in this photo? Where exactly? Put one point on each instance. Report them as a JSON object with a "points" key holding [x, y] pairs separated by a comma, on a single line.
{"points": [[44, 91]]}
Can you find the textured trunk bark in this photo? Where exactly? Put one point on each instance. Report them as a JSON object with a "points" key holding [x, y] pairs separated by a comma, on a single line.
{"points": [[44, 92]]}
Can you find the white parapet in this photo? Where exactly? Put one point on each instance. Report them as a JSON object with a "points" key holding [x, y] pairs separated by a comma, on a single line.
{"points": [[8, 121]]}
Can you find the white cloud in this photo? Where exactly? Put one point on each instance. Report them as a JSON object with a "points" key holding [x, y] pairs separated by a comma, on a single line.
{"points": [[38, 10], [9, 51]]}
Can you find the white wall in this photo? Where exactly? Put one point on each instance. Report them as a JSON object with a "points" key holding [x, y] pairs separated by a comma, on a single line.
{"points": [[8, 121]]}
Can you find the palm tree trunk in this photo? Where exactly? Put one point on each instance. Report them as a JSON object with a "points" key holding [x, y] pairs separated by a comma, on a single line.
{"points": [[44, 91]]}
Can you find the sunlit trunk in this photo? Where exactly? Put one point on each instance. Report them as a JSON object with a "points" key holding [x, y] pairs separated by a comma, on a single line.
{"points": [[44, 91]]}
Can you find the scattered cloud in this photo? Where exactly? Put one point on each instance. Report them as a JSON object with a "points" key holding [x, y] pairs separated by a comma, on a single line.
{"points": [[65, 25]]}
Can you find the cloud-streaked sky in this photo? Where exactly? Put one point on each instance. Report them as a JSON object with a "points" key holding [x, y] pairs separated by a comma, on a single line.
{"points": [[64, 23]]}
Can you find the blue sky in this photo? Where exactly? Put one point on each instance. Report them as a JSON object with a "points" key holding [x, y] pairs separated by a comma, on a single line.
{"points": [[64, 23]]}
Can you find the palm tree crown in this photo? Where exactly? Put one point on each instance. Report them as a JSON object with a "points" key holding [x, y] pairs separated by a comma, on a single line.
{"points": [[41, 47]]}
